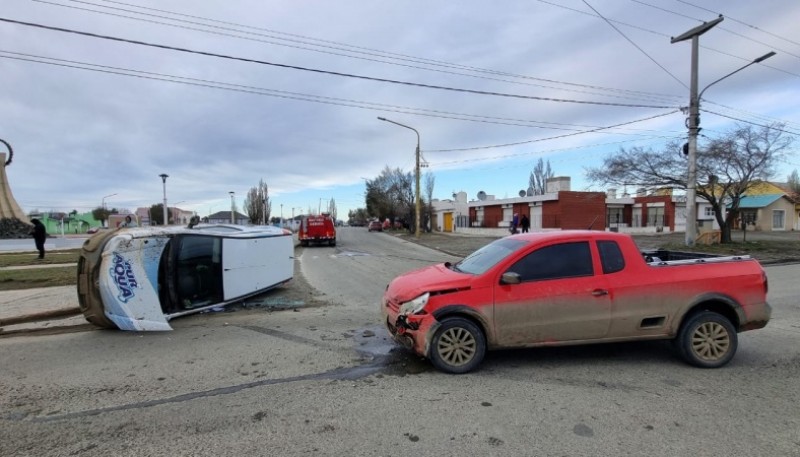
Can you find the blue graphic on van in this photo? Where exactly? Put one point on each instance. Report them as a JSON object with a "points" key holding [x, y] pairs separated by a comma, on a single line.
{"points": [[123, 276]]}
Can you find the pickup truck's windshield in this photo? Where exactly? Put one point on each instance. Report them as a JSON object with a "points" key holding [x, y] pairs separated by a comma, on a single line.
{"points": [[486, 257]]}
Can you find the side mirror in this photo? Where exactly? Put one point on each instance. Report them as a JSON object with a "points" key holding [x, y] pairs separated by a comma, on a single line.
{"points": [[510, 278]]}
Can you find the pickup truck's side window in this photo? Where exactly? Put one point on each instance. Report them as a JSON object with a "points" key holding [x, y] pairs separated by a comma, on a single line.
{"points": [[557, 261], [610, 256]]}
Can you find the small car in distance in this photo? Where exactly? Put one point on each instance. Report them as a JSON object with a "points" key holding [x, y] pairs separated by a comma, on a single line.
{"points": [[375, 225], [140, 278]]}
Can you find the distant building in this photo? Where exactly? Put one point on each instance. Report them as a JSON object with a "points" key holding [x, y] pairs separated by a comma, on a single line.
{"points": [[558, 208], [224, 217]]}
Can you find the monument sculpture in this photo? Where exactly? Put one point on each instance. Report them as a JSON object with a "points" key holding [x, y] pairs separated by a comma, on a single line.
{"points": [[13, 222]]}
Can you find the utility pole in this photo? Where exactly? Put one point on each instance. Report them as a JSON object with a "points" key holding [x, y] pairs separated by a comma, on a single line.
{"points": [[416, 172], [164, 177], [233, 207], [694, 128]]}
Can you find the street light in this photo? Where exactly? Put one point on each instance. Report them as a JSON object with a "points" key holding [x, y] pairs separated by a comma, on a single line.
{"points": [[694, 122], [103, 201], [103, 205], [416, 171], [164, 177], [175, 217]]}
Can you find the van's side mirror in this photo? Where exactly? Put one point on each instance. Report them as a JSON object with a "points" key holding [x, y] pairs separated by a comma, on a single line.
{"points": [[510, 277]]}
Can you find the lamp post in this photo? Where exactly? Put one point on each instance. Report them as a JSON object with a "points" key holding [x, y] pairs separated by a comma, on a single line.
{"points": [[175, 216], [103, 201], [164, 177], [103, 205], [233, 207], [416, 172], [693, 122]]}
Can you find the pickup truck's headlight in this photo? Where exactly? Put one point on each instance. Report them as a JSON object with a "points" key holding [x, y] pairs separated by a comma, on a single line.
{"points": [[414, 306]]}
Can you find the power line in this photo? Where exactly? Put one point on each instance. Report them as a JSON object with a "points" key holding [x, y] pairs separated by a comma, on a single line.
{"points": [[636, 45], [301, 96], [301, 39], [751, 123], [552, 137], [328, 72], [760, 117], [520, 154], [742, 23], [746, 59], [725, 29]]}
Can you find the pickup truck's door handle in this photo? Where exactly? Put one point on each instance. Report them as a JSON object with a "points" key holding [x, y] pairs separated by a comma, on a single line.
{"points": [[599, 292]]}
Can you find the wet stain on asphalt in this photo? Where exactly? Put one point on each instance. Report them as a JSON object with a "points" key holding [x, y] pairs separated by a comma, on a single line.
{"points": [[384, 358]]}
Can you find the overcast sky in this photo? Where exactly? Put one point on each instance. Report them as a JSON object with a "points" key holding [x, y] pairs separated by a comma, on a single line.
{"points": [[89, 117]]}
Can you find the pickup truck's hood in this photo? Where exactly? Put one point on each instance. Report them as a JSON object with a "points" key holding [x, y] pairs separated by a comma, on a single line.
{"points": [[435, 278]]}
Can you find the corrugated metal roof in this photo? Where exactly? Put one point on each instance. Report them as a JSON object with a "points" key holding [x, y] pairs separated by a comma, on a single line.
{"points": [[757, 201]]}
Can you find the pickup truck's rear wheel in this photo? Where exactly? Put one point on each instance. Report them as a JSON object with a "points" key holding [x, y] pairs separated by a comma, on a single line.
{"points": [[707, 340], [458, 346]]}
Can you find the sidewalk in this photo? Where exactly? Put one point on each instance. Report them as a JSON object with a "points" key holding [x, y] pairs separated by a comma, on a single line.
{"points": [[46, 301]]}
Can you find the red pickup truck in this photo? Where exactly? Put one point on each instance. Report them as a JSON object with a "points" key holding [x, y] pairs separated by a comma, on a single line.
{"points": [[575, 287]]}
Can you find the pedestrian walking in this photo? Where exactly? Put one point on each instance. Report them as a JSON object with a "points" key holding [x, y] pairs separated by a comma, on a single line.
{"points": [[525, 223], [39, 236], [514, 224]]}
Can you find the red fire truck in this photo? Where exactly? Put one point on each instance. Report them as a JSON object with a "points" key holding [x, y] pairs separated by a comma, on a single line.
{"points": [[317, 229]]}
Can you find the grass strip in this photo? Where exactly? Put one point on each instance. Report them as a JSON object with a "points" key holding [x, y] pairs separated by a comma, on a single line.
{"points": [[38, 277], [14, 259]]}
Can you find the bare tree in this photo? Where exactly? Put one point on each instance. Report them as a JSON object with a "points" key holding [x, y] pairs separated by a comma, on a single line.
{"points": [[726, 168], [793, 180], [257, 204], [539, 176]]}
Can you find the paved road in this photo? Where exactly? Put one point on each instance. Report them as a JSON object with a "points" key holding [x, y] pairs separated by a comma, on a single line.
{"points": [[52, 243], [325, 380]]}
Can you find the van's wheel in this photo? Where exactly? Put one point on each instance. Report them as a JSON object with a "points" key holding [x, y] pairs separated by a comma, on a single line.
{"points": [[332, 242], [458, 346], [707, 340]]}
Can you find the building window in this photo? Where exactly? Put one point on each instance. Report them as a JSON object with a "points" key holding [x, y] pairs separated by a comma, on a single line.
{"points": [[778, 219], [709, 211], [655, 216]]}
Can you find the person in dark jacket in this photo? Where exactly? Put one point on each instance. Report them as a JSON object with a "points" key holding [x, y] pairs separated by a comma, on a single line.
{"points": [[39, 236], [525, 223]]}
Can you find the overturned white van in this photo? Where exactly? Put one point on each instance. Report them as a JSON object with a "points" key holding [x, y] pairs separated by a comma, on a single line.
{"points": [[140, 278]]}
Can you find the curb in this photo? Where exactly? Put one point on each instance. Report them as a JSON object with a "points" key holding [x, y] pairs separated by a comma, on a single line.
{"points": [[42, 316]]}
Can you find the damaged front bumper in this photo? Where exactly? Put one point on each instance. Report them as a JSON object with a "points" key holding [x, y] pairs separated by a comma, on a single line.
{"points": [[413, 331]]}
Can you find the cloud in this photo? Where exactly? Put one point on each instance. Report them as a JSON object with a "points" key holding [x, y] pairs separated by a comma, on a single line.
{"points": [[79, 135]]}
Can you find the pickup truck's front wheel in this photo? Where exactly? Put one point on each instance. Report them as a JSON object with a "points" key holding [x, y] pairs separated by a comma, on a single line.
{"points": [[707, 340], [458, 346]]}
